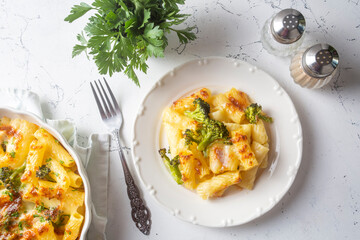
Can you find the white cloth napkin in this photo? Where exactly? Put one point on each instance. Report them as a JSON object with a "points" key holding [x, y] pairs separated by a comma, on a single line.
{"points": [[95, 156]]}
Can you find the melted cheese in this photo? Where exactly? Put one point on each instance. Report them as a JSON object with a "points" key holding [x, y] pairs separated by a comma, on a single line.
{"points": [[38, 208], [210, 173]]}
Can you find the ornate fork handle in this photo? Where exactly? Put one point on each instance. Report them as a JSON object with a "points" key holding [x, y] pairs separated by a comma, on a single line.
{"points": [[140, 213]]}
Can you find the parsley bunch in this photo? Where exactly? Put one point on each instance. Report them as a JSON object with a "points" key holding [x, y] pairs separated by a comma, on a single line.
{"points": [[123, 34]]}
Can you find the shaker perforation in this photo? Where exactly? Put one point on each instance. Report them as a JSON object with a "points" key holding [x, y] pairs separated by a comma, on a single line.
{"points": [[282, 34], [316, 66]]}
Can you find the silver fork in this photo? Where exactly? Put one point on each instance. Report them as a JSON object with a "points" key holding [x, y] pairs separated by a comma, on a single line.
{"points": [[112, 117]]}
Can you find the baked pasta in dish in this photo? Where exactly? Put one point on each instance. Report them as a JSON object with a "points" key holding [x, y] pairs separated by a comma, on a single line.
{"points": [[215, 141], [41, 192]]}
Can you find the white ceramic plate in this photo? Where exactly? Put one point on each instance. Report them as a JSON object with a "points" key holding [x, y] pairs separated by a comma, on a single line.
{"points": [[235, 207], [13, 113]]}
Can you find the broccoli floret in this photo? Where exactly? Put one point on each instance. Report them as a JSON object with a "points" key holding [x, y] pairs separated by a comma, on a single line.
{"points": [[11, 177], [209, 131], [172, 165], [175, 161], [254, 112], [201, 112], [62, 220], [162, 152], [43, 173], [3, 145], [5, 174], [191, 136]]}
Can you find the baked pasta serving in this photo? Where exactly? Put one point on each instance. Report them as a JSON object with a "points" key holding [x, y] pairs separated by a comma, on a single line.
{"points": [[215, 141], [41, 192]]}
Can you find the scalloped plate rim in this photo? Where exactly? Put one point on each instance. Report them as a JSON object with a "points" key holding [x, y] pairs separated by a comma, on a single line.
{"points": [[259, 211]]}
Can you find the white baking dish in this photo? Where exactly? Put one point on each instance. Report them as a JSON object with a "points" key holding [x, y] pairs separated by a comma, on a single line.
{"points": [[13, 113]]}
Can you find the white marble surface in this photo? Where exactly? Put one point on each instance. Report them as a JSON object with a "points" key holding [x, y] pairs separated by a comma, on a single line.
{"points": [[35, 54]]}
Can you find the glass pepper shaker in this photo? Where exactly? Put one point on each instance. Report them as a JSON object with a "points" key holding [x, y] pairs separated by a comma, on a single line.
{"points": [[282, 34], [316, 66]]}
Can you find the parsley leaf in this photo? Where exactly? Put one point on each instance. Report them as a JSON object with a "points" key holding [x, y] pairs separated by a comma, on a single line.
{"points": [[20, 225], [15, 214], [9, 194], [78, 11], [78, 49], [40, 208], [42, 219], [122, 34]]}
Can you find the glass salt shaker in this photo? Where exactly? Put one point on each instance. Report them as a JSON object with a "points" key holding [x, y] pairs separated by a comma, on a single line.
{"points": [[282, 34], [316, 66]]}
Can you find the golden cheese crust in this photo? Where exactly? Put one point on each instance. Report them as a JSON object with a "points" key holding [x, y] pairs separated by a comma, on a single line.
{"points": [[223, 165], [41, 192]]}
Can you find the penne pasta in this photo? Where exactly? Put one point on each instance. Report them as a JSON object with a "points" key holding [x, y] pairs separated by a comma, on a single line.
{"points": [[217, 184], [210, 170], [56, 150], [39, 184], [73, 199], [59, 174], [73, 226], [186, 103], [75, 179]]}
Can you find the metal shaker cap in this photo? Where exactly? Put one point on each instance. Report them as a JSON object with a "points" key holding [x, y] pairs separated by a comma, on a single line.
{"points": [[288, 26], [320, 60]]}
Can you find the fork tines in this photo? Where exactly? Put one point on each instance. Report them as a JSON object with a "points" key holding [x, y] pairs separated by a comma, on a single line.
{"points": [[107, 107]]}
